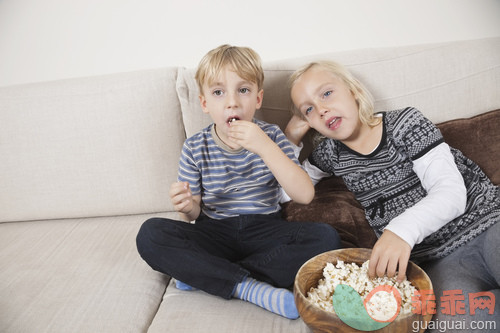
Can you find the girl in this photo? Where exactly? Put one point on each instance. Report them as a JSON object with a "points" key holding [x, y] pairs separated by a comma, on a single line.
{"points": [[424, 200]]}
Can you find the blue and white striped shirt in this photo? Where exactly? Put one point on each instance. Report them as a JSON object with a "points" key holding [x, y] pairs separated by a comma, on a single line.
{"points": [[231, 183]]}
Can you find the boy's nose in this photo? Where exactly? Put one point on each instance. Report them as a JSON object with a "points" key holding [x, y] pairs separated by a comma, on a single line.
{"points": [[232, 101]]}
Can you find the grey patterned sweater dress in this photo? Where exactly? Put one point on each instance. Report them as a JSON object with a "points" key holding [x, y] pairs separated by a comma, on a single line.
{"points": [[386, 185]]}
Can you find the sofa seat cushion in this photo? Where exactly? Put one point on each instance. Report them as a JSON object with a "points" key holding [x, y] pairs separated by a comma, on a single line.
{"points": [[197, 311], [79, 275]]}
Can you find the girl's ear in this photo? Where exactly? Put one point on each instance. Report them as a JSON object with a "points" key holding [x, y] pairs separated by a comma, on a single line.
{"points": [[203, 103], [355, 94]]}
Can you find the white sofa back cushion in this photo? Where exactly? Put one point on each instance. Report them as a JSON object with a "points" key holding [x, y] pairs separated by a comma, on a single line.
{"points": [[445, 80], [98, 146]]}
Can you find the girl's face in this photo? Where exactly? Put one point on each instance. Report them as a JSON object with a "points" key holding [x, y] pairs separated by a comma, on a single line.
{"points": [[328, 105]]}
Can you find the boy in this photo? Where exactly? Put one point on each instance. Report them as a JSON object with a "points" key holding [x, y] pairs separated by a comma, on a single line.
{"points": [[230, 177]]}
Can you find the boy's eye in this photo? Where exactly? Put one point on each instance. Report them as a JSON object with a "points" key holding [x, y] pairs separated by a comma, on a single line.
{"points": [[217, 92], [244, 90]]}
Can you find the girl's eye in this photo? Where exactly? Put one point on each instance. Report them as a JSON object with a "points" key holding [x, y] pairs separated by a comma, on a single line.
{"points": [[327, 93], [308, 110], [244, 90], [217, 92]]}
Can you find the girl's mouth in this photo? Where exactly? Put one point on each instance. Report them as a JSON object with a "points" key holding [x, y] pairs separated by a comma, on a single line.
{"points": [[333, 123]]}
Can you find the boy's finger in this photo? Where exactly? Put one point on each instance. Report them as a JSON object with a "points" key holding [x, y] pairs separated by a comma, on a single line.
{"points": [[183, 204], [176, 188]]}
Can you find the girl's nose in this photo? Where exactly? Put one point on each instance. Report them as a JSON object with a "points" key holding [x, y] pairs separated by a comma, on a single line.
{"points": [[323, 111]]}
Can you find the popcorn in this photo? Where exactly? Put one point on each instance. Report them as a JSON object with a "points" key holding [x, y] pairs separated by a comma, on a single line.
{"points": [[382, 304]]}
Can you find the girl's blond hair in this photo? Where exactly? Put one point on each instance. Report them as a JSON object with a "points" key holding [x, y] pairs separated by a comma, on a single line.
{"points": [[362, 96], [243, 60]]}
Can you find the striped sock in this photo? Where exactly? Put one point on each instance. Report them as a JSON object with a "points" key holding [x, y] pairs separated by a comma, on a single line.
{"points": [[276, 300], [182, 286]]}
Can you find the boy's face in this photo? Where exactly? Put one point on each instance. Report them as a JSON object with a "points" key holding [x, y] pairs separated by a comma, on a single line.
{"points": [[327, 104], [230, 97]]}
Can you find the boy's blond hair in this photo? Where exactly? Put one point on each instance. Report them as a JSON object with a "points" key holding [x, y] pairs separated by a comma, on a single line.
{"points": [[243, 60], [362, 96]]}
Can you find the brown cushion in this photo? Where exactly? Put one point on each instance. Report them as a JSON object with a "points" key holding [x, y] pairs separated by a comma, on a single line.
{"points": [[335, 205], [477, 137]]}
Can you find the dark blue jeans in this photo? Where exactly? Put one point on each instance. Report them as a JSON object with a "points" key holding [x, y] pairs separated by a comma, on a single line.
{"points": [[215, 255]]}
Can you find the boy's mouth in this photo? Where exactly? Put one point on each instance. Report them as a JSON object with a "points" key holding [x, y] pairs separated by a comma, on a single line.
{"points": [[231, 119]]}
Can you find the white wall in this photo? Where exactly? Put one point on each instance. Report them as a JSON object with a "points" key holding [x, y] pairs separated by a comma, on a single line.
{"points": [[52, 39]]}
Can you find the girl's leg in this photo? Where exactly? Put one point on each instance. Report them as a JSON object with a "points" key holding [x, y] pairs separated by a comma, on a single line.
{"points": [[193, 256], [466, 272]]}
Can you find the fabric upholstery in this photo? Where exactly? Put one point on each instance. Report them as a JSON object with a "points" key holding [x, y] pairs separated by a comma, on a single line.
{"points": [[197, 311], [479, 139], [78, 275], [87, 147], [109, 146], [335, 205], [445, 81], [423, 76]]}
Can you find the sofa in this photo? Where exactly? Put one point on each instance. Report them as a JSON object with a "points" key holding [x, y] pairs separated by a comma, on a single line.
{"points": [[85, 161]]}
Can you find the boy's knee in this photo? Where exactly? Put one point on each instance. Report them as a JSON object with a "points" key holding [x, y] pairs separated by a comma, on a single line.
{"points": [[325, 235], [330, 236], [146, 231]]}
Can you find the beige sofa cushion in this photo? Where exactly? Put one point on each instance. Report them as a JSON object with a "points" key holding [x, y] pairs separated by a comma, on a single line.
{"points": [[197, 311], [443, 87], [79, 275], [96, 146], [445, 80]]}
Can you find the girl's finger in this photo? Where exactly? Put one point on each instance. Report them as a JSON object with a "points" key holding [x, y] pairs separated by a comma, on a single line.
{"points": [[392, 266]]}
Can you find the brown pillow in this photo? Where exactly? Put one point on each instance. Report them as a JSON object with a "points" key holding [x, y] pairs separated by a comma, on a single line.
{"points": [[477, 137], [335, 205]]}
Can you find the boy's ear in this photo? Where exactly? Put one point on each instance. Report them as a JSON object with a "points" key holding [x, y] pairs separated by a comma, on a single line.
{"points": [[203, 103], [260, 97]]}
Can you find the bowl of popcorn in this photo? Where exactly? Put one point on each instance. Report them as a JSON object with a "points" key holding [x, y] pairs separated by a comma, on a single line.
{"points": [[334, 293]]}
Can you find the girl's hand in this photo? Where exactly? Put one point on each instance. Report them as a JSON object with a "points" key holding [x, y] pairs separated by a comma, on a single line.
{"points": [[296, 129], [249, 135], [389, 254], [181, 197]]}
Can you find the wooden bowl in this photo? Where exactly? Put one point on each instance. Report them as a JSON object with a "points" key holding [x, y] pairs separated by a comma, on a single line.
{"points": [[320, 320]]}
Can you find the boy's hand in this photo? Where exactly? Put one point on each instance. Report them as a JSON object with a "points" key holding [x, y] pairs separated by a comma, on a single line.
{"points": [[390, 253], [181, 197], [248, 135], [292, 178], [296, 129]]}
